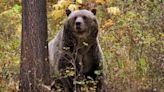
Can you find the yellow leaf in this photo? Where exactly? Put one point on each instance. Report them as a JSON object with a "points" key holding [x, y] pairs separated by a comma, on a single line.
{"points": [[56, 7], [100, 1], [18, 31], [114, 10], [107, 24], [64, 3], [73, 7], [79, 1], [58, 14]]}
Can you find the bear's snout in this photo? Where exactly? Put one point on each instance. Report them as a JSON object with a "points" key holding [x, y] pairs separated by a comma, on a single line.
{"points": [[78, 24]]}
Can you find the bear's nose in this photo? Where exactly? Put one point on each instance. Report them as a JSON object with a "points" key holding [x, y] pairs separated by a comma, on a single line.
{"points": [[78, 23]]}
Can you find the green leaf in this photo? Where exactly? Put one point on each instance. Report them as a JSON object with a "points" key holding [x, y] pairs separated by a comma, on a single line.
{"points": [[17, 8], [142, 62], [97, 72], [85, 43], [79, 82]]}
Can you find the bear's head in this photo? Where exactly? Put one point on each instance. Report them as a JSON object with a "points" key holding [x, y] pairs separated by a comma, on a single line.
{"points": [[82, 23]]}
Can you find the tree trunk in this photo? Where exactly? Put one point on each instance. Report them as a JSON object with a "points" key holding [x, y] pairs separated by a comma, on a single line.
{"points": [[34, 68]]}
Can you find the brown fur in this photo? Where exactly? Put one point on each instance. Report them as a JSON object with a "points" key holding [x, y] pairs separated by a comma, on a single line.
{"points": [[77, 49]]}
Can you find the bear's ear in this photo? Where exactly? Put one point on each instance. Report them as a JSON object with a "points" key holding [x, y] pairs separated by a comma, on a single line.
{"points": [[93, 11], [68, 12]]}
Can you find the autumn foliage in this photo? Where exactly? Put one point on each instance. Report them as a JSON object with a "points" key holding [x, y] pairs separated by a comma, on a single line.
{"points": [[131, 37]]}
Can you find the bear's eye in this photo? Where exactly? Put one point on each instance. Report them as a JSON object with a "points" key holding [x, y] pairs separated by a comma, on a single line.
{"points": [[84, 17], [95, 20], [75, 17]]}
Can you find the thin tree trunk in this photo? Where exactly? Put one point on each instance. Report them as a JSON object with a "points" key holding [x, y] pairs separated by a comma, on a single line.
{"points": [[34, 68]]}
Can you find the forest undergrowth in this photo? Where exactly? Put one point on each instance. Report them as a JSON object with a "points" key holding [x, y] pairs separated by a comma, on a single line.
{"points": [[131, 37]]}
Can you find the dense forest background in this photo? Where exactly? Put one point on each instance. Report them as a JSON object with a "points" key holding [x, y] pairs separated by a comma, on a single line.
{"points": [[131, 36]]}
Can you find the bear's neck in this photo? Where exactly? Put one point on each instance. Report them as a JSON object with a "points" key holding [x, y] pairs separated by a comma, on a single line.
{"points": [[78, 44]]}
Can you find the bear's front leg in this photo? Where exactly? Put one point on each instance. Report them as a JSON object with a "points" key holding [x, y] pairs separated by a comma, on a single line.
{"points": [[65, 66]]}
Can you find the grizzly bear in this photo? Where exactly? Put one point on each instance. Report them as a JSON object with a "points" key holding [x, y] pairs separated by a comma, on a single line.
{"points": [[76, 46]]}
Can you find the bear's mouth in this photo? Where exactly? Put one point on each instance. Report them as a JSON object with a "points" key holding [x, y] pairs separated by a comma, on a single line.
{"points": [[81, 32], [78, 28]]}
